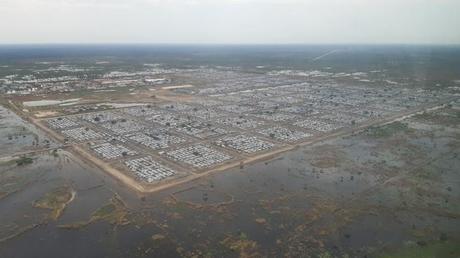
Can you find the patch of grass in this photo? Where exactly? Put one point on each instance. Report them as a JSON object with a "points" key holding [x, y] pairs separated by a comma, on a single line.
{"points": [[24, 161], [241, 245], [56, 201], [446, 117], [105, 211], [427, 173], [432, 250], [114, 212], [387, 130], [424, 116], [8, 162]]}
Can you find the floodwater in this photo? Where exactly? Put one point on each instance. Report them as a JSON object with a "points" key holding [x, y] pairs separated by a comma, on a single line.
{"points": [[362, 195], [17, 136]]}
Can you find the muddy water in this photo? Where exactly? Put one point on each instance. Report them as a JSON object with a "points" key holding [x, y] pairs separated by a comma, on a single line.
{"points": [[357, 196], [18, 136]]}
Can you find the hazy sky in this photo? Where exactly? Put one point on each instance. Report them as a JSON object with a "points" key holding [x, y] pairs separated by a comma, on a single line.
{"points": [[230, 21]]}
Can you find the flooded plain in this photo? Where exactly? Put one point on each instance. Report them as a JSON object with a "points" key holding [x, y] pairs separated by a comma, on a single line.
{"points": [[17, 136], [389, 191]]}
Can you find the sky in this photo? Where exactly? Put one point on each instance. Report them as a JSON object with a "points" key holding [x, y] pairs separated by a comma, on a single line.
{"points": [[230, 21]]}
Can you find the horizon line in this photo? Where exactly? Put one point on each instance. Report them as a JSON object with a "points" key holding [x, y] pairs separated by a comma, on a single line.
{"points": [[219, 44]]}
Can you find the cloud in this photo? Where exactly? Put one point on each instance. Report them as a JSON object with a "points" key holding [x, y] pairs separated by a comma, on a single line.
{"points": [[230, 21]]}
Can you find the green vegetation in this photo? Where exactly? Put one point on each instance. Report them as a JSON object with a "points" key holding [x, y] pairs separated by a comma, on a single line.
{"points": [[8, 162], [241, 245], [387, 130], [432, 250], [104, 212], [24, 161], [114, 212], [424, 116], [449, 117], [56, 201], [55, 153]]}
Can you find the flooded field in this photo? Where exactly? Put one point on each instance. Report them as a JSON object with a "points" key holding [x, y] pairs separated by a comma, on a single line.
{"points": [[18, 136], [388, 191]]}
